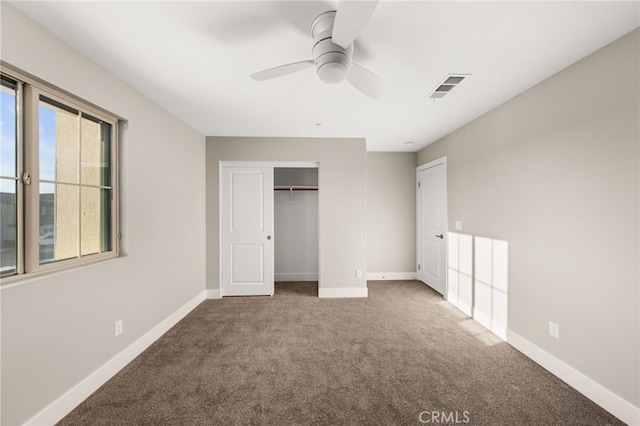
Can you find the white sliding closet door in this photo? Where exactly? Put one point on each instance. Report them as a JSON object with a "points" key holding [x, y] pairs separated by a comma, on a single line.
{"points": [[247, 231]]}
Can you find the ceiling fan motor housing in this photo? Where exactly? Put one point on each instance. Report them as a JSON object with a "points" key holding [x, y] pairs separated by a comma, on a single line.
{"points": [[332, 61]]}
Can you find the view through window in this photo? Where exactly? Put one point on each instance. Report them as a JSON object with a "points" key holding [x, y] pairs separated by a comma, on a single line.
{"points": [[75, 192]]}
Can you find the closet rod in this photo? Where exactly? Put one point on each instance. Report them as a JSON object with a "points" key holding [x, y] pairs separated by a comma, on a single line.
{"points": [[296, 188]]}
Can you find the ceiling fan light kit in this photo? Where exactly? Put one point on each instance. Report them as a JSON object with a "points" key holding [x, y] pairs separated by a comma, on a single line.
{"points": [[333, 34], [332, 61]]}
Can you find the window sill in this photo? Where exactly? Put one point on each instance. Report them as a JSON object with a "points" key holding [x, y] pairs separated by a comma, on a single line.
{"points": [[54, 269]]}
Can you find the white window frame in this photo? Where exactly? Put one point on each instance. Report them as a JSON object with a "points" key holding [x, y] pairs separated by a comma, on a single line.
{"points": [[28, 195]]}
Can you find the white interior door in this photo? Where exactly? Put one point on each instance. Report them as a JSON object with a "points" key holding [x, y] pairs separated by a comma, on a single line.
{"points": [[247, 231], [432, 225]]}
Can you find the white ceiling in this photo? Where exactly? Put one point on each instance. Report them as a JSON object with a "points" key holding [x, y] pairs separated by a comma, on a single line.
{"points": [[194, 59]]}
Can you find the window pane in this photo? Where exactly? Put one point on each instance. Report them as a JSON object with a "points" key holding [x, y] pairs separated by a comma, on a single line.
{"points": [[59, 136], [8, 187], [96, 151], [8, 230], [106, 220], [8, 136], [59, 216], [90, 221], [96, 220], [47, 222]]}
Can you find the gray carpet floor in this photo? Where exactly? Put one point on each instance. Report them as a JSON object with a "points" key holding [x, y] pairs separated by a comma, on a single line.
{"points": [[402, 356]]}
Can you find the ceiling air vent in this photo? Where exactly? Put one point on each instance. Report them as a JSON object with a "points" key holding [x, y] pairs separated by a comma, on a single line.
{"points": [[445, 87], [448, 83]]}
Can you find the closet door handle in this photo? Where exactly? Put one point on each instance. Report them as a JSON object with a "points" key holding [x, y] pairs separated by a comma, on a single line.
{"points": [[441, 236], [268, 237]]}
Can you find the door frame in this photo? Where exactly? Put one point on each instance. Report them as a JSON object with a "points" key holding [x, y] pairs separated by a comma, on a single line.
{"points": [[439, 161], [252, 164]]}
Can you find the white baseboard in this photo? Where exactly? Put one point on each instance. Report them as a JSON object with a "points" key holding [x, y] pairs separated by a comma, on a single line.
{"points": [[343, 292], [381, 276], [62, 406], [482, 318], [460, 304], [214, 293], [465, 307], [296, 276], [452, 298], [499, 329], [602, 396]]}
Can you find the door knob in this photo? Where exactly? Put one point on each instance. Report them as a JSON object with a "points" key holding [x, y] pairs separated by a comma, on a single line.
{"points": [[440, 236], [268, 237]]}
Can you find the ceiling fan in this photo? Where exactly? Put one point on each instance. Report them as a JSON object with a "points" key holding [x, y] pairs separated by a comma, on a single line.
{"points": [[333, 34]]}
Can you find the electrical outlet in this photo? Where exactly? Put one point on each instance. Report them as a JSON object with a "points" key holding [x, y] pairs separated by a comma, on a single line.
{"points": [[358, 273], [554, 330], [117, 328]]}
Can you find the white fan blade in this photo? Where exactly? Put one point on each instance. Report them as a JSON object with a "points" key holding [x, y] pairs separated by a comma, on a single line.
{"points": [[351, 17], [281, 70], [366, 81]]}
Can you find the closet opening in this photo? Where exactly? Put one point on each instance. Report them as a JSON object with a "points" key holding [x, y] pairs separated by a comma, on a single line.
{"points": [[296, 230]]}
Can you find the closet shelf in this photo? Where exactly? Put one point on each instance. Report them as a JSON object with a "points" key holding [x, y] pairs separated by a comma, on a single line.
{"points": [[295, 188]]}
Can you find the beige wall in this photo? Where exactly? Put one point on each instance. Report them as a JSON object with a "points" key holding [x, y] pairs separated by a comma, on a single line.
{"points": [[341, 199], [391, 212], [555, 173], [58, 329]]}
